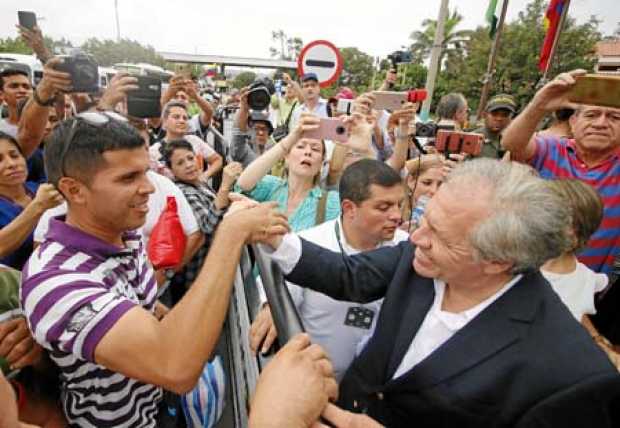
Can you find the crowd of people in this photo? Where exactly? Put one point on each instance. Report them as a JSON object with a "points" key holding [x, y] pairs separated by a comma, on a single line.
{"points": [[436, 288]]}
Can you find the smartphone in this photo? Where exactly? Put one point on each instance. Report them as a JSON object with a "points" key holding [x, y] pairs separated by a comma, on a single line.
{"points": [[596, 89], [27, 19], [389, 100], [330, 129], [144, 102], [344, 106], [184, 70], [459, 142]]}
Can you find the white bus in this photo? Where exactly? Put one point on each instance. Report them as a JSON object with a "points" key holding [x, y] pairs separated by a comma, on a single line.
{"points": [[142, 69], [28, 63]]}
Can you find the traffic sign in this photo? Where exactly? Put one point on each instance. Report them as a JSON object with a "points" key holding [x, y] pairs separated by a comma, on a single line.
{"points": [[322, 58]]}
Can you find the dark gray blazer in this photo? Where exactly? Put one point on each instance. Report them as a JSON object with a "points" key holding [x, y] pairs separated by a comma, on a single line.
{"points": [[521, 351]]}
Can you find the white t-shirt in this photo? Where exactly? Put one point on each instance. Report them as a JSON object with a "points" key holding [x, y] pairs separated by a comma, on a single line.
{"points": [[577, 289], [164, 187], [200, 148], [8, 128]]}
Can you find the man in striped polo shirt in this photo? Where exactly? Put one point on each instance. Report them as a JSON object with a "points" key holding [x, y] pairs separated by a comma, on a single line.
{"points": [[89, 291], [593, 156]]}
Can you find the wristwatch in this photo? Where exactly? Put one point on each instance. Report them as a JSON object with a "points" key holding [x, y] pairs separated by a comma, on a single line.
{"points": [[50, 102]]}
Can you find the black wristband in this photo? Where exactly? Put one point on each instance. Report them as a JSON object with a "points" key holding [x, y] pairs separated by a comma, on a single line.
{"points": [[48, 103]]}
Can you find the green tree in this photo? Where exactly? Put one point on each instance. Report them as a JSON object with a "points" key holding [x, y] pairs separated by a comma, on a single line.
{"points": [[358, 69], [453, 43], [110, 52], [243, 79], [517, 70], [15, 45], [289, 47]]}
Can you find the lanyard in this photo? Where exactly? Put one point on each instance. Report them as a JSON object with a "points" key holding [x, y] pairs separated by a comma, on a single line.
{"points": [[337, 230]]}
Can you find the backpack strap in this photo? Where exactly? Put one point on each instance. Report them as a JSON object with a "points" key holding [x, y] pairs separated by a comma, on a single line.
{"points": [[321, 208], [290, 113]]}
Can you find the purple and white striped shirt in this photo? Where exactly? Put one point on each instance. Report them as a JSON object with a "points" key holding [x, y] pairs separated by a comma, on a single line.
{"points": [[75, 287]]}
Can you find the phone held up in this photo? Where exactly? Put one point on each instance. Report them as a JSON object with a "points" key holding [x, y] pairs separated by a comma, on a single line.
{"points": [[390, 100], [329, 129], [27, 19], [596, 89], [454, 142]]}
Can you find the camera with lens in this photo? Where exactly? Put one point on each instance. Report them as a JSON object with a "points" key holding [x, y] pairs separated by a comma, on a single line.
{"points": [[83, 70], [399, 57], [425, 129], [429, 129], [260, 92]]}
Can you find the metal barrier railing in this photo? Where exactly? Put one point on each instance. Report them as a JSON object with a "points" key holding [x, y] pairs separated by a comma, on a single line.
{"points": [[244, 366]]}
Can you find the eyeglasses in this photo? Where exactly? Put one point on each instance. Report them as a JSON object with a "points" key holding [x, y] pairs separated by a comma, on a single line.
{"points": [[92, 118]]}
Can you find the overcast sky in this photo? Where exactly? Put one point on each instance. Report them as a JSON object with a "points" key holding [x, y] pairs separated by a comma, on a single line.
{"points": [[243, 28]]}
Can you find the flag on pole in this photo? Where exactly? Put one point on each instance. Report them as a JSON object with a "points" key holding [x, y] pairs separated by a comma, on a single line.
{"points": [[553, 16], [491, 17]]}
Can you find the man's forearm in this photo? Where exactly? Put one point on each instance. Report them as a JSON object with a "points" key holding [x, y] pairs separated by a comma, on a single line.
{"points": [[519, 133], [399, 157], [206, 111], [241, 119], [32, 127]]}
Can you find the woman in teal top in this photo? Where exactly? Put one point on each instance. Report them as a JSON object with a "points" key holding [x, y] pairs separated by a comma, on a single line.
{"points": [[298, 194]]}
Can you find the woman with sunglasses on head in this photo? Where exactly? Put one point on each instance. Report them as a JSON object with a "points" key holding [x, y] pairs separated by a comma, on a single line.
{"points": [[21, 204]]}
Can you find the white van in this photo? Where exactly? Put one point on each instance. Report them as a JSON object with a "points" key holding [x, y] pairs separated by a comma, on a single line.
{"points": [[28, 63]]}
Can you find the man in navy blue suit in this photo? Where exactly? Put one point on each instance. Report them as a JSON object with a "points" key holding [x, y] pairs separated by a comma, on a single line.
{"points": [[470, 333]]}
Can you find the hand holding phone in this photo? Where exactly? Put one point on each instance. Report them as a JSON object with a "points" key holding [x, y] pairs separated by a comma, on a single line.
{"points": [[329, 129], [27, 19], [596, 89], [451, 142]]}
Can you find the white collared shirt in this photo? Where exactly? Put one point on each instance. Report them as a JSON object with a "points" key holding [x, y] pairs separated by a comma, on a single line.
{"points": [[338, 326], [439, 326]]}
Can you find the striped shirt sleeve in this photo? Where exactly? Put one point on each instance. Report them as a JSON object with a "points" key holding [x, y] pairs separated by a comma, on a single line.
{"points": [[68, 311]]}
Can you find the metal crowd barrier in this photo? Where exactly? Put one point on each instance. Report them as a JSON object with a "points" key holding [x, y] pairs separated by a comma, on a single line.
{"points": [[243, 367]]}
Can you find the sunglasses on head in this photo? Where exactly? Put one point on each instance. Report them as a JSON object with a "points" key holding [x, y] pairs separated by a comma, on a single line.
{"points": [[92, 118]]}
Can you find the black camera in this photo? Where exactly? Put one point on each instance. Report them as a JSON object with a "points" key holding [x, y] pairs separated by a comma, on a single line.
{"points": [[426, 129], [84, 72], [260, 92], [144, 102], [429, 129], [399, 57]]}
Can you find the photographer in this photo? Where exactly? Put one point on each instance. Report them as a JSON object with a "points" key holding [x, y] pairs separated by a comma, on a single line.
{"points": [[591, 156], [251, 134], [297, 193], [175, 123], [183, 89]]}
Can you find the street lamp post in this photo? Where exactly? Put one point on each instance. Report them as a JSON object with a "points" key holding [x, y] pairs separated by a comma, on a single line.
{"points": [[118, 25]]}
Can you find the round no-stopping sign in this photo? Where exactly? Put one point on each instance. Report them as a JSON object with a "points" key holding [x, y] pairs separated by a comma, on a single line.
{"points": [[322, 58]]}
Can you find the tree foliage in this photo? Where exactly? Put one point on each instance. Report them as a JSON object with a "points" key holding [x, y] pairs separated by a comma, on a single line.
{"points": [[110, 52], [358, 69], [288, 48], [454, 40], [517, 70], [105, 52], [243, 79]]}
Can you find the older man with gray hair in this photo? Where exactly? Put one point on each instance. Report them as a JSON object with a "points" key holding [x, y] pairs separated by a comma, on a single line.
{"points": [[470, 333]]}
